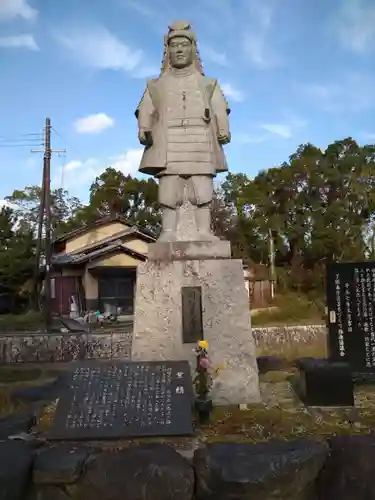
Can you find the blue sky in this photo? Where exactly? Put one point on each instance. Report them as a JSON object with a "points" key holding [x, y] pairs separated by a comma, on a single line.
{"points": [[293, 71]]}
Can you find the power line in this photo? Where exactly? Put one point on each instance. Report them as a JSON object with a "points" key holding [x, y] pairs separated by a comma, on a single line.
{"points": [[70, 146], [62, 168], [34, 136], [66, 142], [21, 140], [29, 134], [33, 139], [20, 145]]}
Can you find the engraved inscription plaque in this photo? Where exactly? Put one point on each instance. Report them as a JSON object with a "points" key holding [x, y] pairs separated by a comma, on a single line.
{"points": [[350, 289], [192, 321], [121, 400]]}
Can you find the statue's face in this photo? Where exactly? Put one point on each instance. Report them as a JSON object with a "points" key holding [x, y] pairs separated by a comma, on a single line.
{"points": [[180, 52]]}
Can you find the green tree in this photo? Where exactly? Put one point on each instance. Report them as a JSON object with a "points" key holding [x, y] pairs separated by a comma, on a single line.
{"points": [[319, 206], [137, 199], [26, 203], [249, 241], [17, 259], [222, 214]]}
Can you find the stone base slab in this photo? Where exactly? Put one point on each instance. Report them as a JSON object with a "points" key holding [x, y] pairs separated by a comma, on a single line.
{"points": [[226, 322], [189, 250]]}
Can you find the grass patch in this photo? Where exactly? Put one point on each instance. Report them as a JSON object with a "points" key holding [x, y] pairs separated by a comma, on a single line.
{"points": [[7, 405], [291, 309], [286, 418], [46, 418], [9, 375], [28, 321], [12, 378]]}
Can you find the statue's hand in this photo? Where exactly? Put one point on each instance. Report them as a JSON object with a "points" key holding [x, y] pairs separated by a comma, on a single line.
{"points": [[224, 138], [145, 137]]}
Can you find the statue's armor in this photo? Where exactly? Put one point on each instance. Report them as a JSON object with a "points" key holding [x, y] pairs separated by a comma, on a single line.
{"points": [[181, 108], [174, 189], [183, 122]]}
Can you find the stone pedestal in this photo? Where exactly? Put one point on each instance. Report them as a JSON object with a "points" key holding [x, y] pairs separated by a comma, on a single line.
{"points": [[226, 320], [189, 250]]}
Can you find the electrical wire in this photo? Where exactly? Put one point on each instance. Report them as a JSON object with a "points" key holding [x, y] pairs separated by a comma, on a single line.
{"points": [[23, 140], [71, 147], [30, 145], [61, 155], [66, 142], [62, 168]]}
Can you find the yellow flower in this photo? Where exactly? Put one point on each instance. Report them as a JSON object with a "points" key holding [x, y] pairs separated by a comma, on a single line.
{"points": [[203, 344]]}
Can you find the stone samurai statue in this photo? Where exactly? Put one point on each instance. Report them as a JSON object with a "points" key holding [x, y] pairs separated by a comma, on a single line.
{"points": [[183, 123]]}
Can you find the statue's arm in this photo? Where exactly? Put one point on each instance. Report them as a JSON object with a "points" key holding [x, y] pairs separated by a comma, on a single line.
{"points": [[144, 114], [221, 110]]}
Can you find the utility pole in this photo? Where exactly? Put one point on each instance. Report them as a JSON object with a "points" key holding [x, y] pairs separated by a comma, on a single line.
{"points": [[272, 262], [45, 216]]}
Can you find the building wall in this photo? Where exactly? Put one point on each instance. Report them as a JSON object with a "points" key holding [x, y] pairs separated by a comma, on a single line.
{"points": [[73, 272], [137, 245], [90, 285], [90, 279], [94, 235], [115, 260]]}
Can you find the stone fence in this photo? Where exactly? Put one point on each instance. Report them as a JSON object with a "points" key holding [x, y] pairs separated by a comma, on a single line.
{"points": [[305, 469], [38, 348]]}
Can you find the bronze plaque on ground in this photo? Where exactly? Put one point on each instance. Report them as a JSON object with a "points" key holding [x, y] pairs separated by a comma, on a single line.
{"points": [[192, 320], [122, 400]]}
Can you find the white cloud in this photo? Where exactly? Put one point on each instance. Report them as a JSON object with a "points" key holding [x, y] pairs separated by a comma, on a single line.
{"points": [[10, 9], [80, 172], [209, 54], [232, 92], [283, 130], [19, 42], [146, 71], [355, 25], [244, 138], [256, 38], [98, 48], [77, 164], [354, 93], [93, 124], [138, 7], [128, 163], [263, 132], [76, 173]]}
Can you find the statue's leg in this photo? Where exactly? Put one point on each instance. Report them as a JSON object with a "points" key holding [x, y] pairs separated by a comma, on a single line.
{"points": [[203, 187], [170, 197]]}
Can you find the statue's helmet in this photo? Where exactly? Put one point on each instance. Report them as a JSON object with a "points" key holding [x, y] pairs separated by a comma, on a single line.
{"points": [[178, 29]]}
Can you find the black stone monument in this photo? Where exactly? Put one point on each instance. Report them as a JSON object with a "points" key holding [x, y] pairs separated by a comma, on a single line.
{"points": [[122, 400], [350, 291], [192, 319], [325, 384]]}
